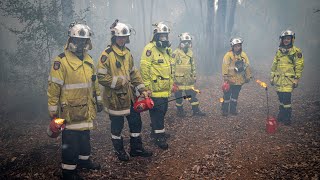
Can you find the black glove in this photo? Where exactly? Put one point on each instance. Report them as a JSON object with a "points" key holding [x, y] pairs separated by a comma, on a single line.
{"points": [[99, 107]]}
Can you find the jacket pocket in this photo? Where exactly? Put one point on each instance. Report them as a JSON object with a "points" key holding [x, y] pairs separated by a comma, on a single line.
{"points": [[160, 83], [77, 109]]}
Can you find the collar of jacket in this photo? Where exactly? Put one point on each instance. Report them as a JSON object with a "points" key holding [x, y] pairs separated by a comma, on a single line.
{"points": [[291, 51], [235, 56], [75, 62], [189, 53], [118, 51]]}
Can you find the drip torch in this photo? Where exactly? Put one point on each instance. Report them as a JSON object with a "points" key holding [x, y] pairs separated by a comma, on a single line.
{"points": [[271, 122], [55, 127]]}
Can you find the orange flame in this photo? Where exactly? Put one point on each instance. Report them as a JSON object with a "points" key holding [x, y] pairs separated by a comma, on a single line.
{"points": [[262, 84], [196, 90], [221, 100], [59, 121]]}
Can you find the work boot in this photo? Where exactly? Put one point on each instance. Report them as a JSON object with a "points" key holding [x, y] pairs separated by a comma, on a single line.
{"points": [[196, 111], [180, 112], [161, 141], [120, 152], [88, 164], [70, 175], [233, 108], [136, 148], [287, 116], [225, 109]]}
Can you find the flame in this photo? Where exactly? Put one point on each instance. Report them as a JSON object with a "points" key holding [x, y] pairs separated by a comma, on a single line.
{"points": [[221, 100], [196, 90], [262, 84], [59, 121]]}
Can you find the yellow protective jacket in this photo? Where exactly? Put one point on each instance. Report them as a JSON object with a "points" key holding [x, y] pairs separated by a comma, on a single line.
{"points": [[70, 89], [287, 67], [228, 68], [156, 70], [184, 69], [120, 78]]}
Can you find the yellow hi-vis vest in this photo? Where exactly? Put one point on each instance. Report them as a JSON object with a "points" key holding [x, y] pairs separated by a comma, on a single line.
{"points": [[229, 65], [156, 70], [71, 89], [184, 69], [121, 80], [285, 68]]}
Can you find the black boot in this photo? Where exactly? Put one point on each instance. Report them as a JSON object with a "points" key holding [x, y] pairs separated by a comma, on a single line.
{"points": [[280, 117], [196, 111], [88, 164], [136, 148], [161, 141], [287, 116], [70, 175], [233, 108], [120, 152], [225, 108], [180, 112]]}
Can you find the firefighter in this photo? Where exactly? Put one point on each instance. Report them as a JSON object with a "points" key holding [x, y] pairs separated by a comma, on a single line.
{"points": [[156, 73], [122, 81], [236, 72], [70, 89], [185, 75], [286, 72]]}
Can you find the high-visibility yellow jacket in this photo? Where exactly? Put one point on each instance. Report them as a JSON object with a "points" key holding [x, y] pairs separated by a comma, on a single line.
{"points": [[71, 88], [156, 70], [229, 68], [184, 69], [121, 80], [287, 67]]}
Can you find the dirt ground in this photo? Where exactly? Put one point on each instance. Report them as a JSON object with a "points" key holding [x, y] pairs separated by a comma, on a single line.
{"points": [[211, 147]]}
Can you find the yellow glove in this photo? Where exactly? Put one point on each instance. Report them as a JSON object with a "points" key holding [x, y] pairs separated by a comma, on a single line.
{"points": [[99, 106]]}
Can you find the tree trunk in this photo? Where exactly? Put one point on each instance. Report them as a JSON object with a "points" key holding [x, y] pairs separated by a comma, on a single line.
{"points": [[233, 4], [67, 12]]}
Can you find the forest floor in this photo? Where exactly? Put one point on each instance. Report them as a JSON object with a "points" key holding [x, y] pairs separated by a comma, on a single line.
{"points": [[210, 147]]}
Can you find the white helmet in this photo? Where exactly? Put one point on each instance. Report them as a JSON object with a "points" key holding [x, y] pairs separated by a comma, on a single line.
{"points": [[79, 30], [120, 29], [185, 37], [287, 33], [235, 41], [161, 28]]}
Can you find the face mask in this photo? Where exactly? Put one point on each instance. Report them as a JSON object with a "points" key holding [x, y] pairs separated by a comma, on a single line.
{"points": [[163, 44], [78, 45]]}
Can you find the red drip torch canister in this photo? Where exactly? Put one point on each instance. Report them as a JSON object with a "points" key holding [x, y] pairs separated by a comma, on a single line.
{"points": [[55, 127], [225, 86], [143, 104], [271, 125]]}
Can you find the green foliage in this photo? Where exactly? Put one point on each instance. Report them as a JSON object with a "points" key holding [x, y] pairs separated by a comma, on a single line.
{"points": [[42, 25]]}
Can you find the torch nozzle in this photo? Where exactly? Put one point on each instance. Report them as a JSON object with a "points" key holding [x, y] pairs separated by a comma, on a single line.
{"points": [[262, 84], [59, 121]]}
